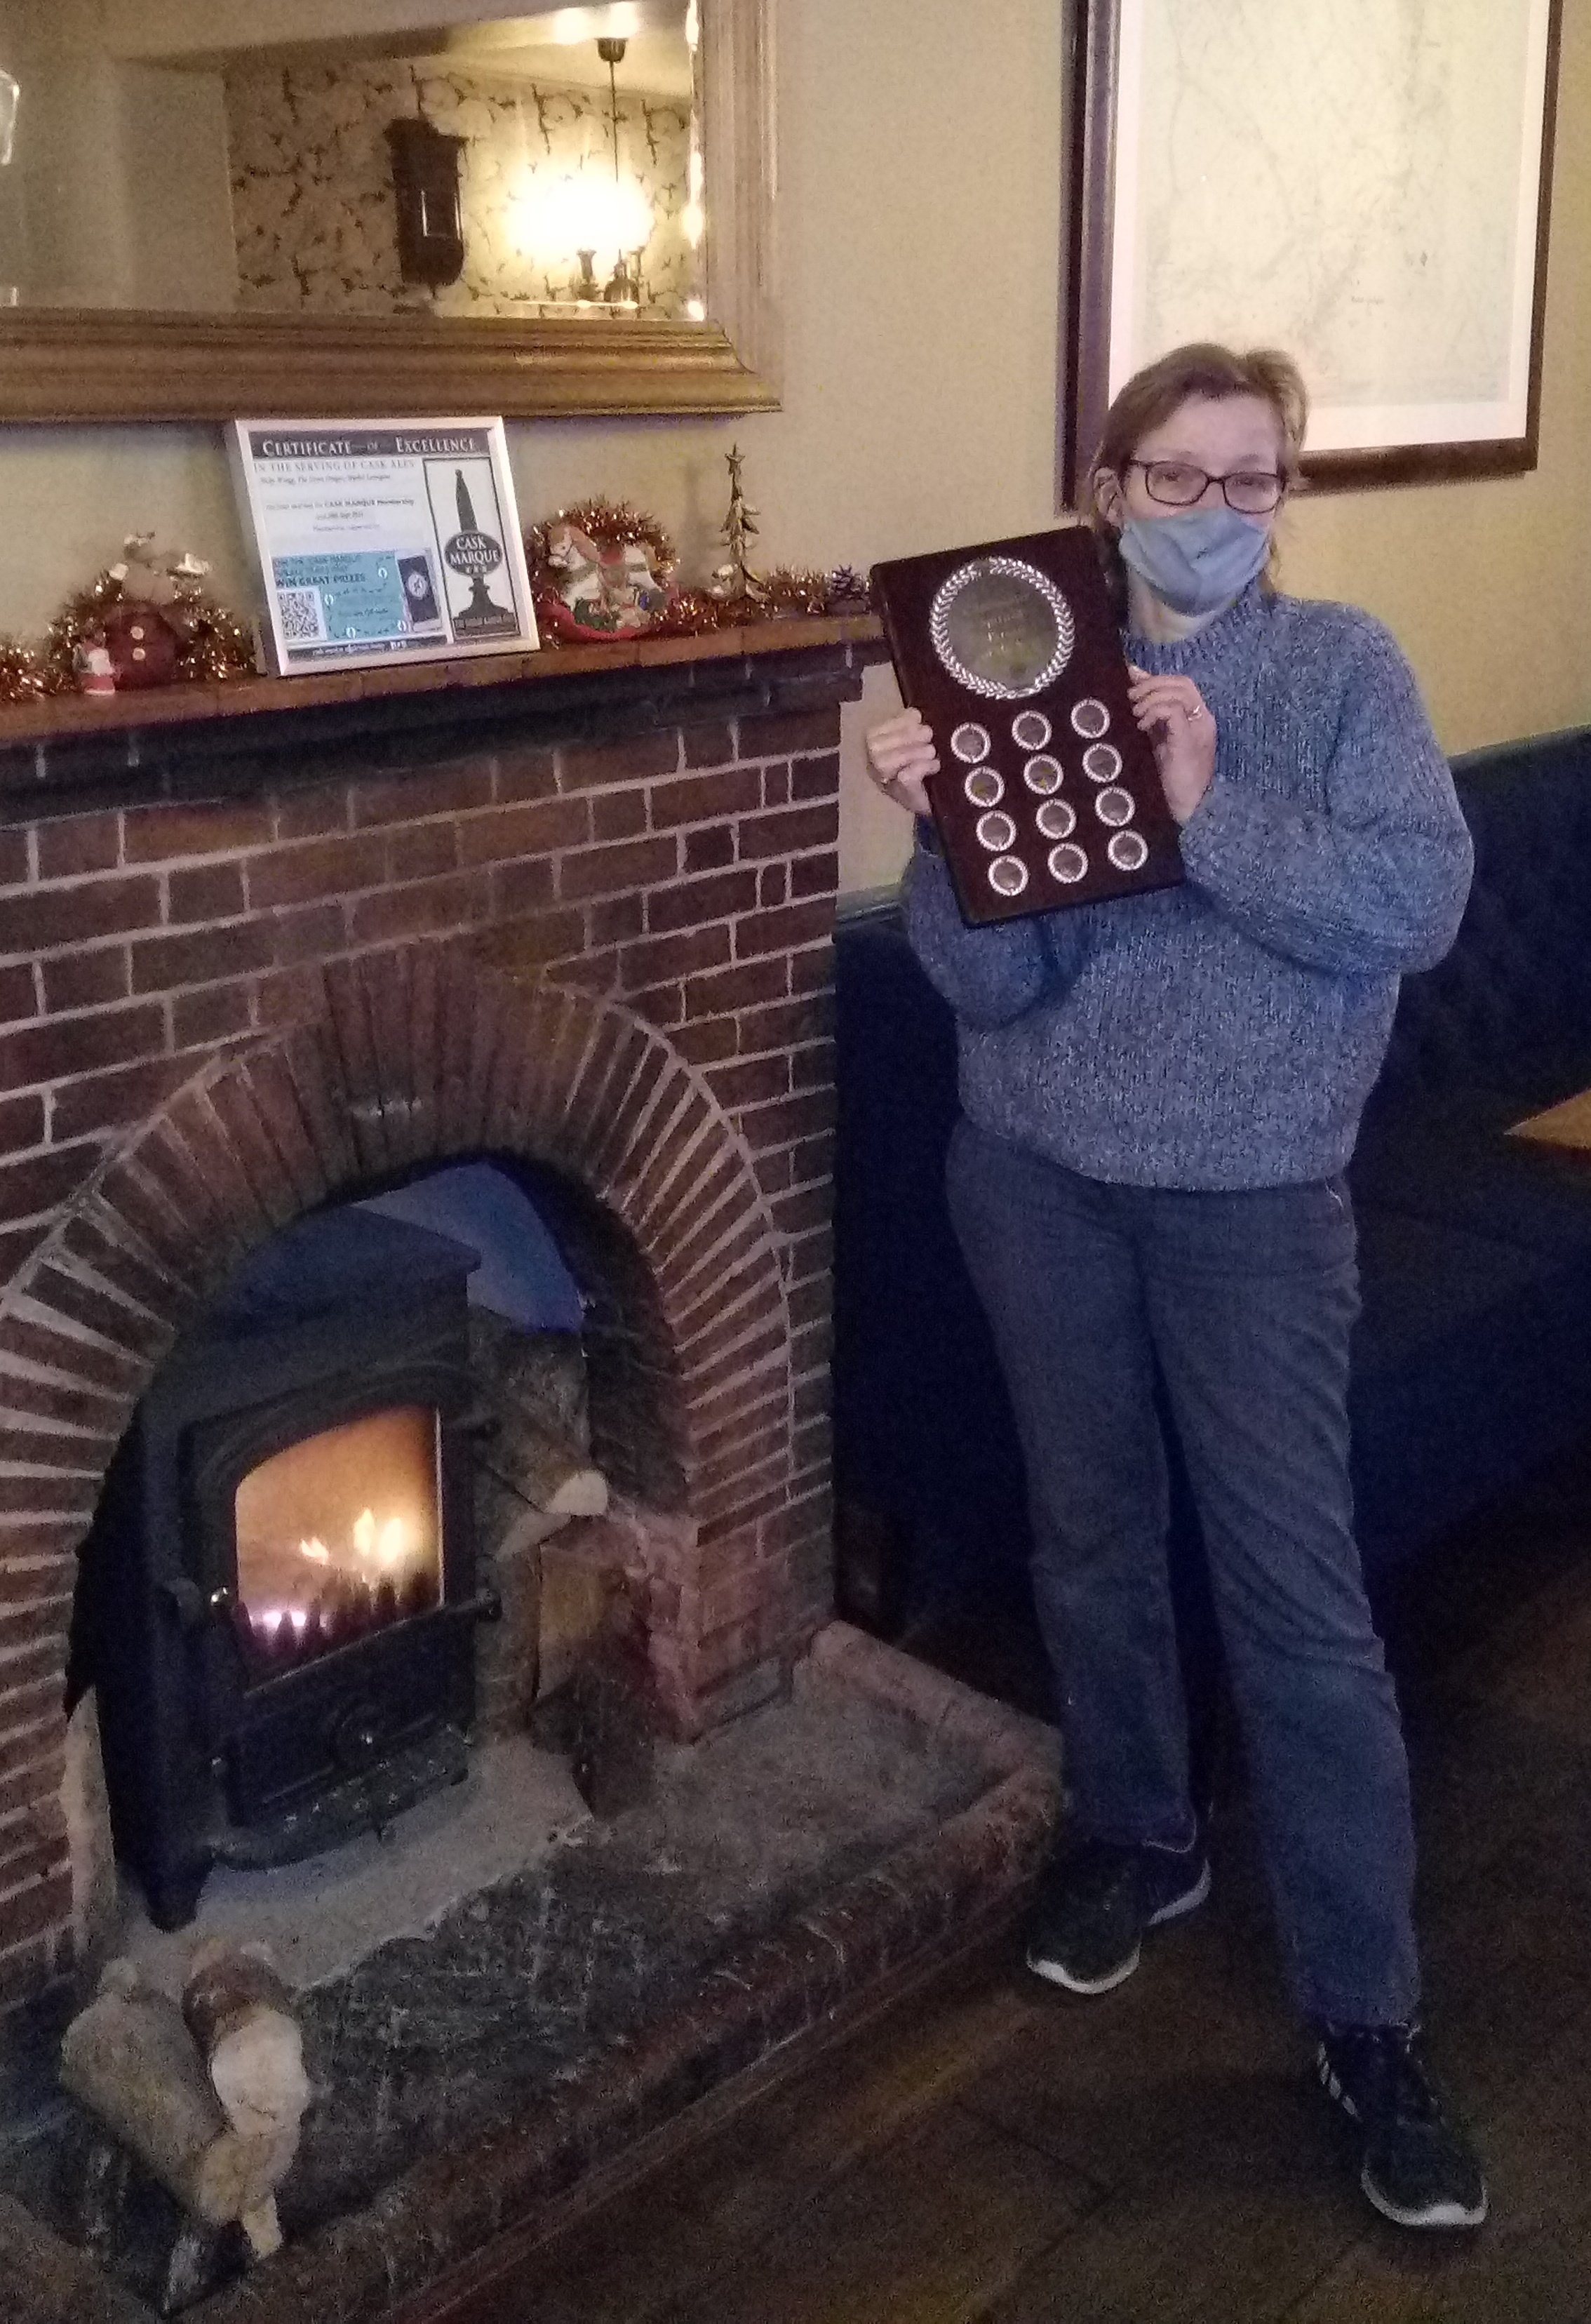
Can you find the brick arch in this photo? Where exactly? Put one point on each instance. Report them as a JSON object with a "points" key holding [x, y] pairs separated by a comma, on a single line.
{"points": [[416, 1055], [418, 1058]]}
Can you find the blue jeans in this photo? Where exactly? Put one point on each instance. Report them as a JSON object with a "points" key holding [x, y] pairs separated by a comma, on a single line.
{"points": [[1244, 1303]]}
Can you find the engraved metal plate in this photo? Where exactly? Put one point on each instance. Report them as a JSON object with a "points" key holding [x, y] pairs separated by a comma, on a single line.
{"points": [[1001, 628]]}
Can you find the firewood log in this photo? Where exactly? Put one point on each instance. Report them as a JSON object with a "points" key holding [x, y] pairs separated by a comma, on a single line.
{"points": [[130, 2060], [240, 2014], [553, 1474]]}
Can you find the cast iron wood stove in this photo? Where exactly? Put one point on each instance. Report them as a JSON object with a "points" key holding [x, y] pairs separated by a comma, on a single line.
{"points": [[277, 1599]]}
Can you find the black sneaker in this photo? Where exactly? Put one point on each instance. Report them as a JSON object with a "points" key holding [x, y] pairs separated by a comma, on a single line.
{"points": [[1417, 2166], [1096, 1900]]}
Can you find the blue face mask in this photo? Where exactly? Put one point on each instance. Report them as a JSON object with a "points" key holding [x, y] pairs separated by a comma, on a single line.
{"points": [[1198, 560]]}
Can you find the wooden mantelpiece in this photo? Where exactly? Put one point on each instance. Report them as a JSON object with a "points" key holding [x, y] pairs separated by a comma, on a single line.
{"points": [[171, 706], [185, 741]]}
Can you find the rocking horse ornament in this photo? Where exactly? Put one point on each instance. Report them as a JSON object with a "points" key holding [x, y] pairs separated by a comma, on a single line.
{"points": [[601, 571]]}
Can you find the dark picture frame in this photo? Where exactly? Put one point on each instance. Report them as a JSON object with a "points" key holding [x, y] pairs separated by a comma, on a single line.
{"points": [[1107, 168]]}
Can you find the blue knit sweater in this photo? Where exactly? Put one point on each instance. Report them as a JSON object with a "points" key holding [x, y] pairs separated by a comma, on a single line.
{"points": [[1226, 1033]]}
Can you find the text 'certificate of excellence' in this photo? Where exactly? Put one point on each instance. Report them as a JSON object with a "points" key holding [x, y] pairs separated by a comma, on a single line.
{"points": [[383, 540]]}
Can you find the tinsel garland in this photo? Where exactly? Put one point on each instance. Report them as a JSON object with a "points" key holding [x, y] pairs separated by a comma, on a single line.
{"points": [[23, 676], [694, 613], [211, 644], [785, 592]]}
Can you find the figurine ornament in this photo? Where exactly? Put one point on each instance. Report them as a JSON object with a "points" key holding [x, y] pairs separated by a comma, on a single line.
{"points": [[600, 570], [154, 618]]}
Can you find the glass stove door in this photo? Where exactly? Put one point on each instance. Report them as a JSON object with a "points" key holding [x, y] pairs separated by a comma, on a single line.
{"points": [[339, 1536]]}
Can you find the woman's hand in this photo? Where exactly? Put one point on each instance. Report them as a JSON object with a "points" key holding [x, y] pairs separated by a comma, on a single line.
{"points": [[900, 757], [1176, 718]]}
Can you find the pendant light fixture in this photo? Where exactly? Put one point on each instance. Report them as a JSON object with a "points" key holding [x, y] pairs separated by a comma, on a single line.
{"points": [[625, 227]]}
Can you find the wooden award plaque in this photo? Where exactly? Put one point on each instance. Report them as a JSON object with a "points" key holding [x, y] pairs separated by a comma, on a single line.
{"points": [[1047, 793]]}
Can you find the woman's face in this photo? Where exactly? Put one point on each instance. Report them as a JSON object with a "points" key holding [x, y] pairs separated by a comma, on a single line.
{"points": [[1223, 436]]}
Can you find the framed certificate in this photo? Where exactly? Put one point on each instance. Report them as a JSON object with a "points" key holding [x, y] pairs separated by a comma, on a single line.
{"points": [[1047, 792], [383, 541]]}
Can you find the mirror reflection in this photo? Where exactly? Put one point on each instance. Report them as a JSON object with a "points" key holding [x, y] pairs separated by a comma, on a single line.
{"points": [[335, 157]]}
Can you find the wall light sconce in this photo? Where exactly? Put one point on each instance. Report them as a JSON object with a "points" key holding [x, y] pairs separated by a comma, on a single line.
{"points": [[10, 98], [431, 213]]}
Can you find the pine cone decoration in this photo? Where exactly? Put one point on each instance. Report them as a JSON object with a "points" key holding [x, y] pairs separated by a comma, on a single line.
{"points": [[847, 592]]}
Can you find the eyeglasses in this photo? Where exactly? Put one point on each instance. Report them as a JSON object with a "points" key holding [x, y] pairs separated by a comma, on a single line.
{"points": [[1175, 484]]}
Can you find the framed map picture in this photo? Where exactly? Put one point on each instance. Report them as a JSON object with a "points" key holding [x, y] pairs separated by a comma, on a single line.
{"points": [[1362, 182], [383, 541]]}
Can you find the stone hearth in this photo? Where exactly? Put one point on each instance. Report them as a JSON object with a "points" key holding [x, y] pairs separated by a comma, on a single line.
{"points": [[248, 964], [538, 2044]]}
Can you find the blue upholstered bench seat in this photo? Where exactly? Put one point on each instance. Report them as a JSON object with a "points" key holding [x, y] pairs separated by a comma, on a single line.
{"points": [[1451, 1160], [1471, 1365], [1473, 1359]]}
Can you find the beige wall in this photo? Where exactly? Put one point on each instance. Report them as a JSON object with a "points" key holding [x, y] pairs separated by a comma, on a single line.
{"points": [[919, 221]]}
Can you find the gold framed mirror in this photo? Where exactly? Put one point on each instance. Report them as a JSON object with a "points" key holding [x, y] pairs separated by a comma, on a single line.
{"points": [[210, 209]]}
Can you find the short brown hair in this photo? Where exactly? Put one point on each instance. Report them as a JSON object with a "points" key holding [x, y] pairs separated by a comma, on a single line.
{"points": [[1203, 369]]}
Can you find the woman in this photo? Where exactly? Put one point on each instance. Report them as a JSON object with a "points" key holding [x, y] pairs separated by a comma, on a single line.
{"points": [[1159, 1096]]}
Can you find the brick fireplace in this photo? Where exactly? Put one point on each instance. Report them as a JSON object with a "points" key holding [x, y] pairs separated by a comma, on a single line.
{"points": [[579, 917]]}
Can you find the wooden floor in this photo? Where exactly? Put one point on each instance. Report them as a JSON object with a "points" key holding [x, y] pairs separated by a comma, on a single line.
{"points": [[997, 2151]]}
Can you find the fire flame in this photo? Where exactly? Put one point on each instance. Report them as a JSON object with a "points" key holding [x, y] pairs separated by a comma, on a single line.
{"points": [[387, 1545]]}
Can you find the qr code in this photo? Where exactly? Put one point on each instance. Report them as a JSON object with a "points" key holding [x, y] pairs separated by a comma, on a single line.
{"points": [[301, 617]]}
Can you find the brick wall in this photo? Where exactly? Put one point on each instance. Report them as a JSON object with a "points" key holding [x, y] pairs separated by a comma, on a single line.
{"points": [[602, 945]]}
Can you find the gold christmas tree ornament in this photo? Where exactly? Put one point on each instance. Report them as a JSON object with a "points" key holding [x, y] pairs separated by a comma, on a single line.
{"points": [[734, 583]]}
